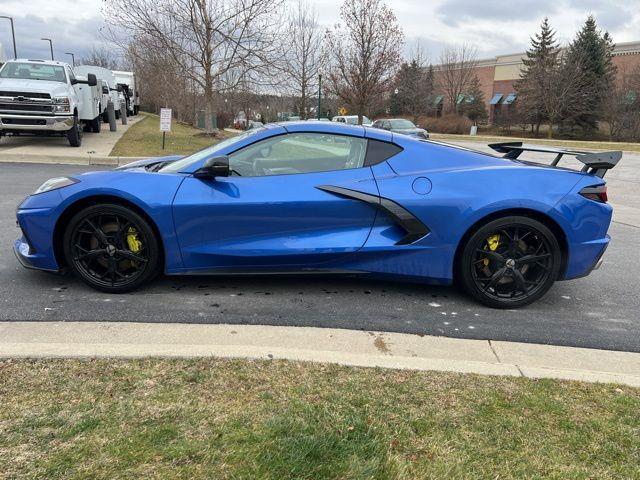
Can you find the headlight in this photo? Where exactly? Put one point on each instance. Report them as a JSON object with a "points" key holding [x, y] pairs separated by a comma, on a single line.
{"points": [[61, 105], [55, 183]]}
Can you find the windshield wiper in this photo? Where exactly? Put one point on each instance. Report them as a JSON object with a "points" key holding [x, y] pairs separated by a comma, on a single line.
{"points": [[235, 171]]}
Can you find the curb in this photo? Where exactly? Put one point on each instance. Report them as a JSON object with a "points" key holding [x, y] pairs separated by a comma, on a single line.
{"points": [[310, 344], [62, 160]]}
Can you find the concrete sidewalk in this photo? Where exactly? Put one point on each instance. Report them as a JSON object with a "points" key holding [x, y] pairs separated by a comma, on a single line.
{"points": [[347, 347], [95, 148]]}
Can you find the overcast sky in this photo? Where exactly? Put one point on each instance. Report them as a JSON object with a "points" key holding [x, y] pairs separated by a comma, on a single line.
{"points": [[493, 26]]}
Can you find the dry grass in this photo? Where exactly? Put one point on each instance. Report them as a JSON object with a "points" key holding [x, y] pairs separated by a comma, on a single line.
{"points": [[278, 420], [144, 139]]}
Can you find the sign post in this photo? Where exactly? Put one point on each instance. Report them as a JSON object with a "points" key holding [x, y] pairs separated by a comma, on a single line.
{"points": [[165, 123]]}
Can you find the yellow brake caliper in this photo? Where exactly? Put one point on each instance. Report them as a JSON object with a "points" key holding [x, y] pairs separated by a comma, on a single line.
{"points": [[493, 241], [135, 245]]}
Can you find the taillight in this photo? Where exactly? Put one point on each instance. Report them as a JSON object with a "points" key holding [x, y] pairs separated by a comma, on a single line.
{"points": [[597, 194]]}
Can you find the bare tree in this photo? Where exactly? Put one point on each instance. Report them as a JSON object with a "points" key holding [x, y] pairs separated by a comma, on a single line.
{"points": [[456, 72], [365, 53], [215, 43], [304, 58], [101, 56]]}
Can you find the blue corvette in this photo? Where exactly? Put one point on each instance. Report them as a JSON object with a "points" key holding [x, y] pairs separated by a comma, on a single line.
{"points": [[328, 198]]}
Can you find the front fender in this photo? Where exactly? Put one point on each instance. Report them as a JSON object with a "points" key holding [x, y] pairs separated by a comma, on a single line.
{"points": [[151, 193]]}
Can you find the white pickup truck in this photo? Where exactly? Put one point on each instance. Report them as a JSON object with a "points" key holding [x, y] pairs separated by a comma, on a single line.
{"points": [[113, 91], [128, 82], [44, 97]]}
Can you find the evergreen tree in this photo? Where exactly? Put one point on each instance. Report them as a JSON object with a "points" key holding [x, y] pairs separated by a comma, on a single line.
{"points": [[474, 106], [593, 51], [541, 60], [415, 88]]}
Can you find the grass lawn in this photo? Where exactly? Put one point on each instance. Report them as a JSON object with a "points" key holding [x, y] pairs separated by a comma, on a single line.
{"points": [[577, 144], [144, 139], [207, 418]]}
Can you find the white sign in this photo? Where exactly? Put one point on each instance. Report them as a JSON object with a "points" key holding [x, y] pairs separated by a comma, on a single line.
{"points": [[165, 119]]}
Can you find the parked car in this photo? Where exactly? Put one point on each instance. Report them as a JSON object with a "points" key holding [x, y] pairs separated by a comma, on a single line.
{"points": [[351, 120], [400, 125], [290, 197], [44, 97], [114, 91], [254, 124]]}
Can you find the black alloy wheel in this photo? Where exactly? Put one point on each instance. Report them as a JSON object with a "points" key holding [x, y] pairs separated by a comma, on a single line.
{"points": [[111, 248], [510, 262]]}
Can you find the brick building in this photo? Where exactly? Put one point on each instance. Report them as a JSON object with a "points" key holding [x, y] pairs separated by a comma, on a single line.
{"points": [[497, 75]]}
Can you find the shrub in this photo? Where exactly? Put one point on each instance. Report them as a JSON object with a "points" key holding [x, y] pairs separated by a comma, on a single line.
{"points": [[450, 123]]}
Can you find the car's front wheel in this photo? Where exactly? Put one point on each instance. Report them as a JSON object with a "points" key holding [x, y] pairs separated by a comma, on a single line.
{"points": [[510, 262], [112, 248]]}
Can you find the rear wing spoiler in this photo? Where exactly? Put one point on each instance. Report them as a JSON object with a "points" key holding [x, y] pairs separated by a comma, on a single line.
{"points": [[594, 163]]}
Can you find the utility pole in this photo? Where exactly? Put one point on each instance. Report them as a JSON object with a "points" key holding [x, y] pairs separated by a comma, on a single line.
{"points": [[73, 58], [13, 35], [50, 45], [319, 94]]}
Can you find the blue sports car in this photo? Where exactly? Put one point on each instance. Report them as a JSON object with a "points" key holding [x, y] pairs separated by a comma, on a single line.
{"points": [[318, 197]]}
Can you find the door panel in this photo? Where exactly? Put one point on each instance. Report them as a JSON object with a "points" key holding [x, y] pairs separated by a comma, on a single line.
{"points": [[274, 221]]}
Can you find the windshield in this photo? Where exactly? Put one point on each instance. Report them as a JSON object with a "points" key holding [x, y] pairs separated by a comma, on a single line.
{"points": [[208, 152], [401, 124], [33, 71]]}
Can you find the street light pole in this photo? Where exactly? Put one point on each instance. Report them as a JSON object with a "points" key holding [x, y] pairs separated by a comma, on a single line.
{"points": [[50, 45], [73, 58], [13, 35], [394, 106], [319, 94]]}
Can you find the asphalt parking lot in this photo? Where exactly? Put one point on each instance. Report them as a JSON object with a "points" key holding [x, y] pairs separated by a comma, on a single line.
{"points": [[599, 311]]}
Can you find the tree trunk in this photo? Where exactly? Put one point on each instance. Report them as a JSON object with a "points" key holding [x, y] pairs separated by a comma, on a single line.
{"points": [[550, 131]]}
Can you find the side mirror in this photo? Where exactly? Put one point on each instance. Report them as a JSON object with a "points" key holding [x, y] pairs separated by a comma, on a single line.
{"points": [[92, 80], [105, 90], [74, 81], [214, 167], [119, 88]]}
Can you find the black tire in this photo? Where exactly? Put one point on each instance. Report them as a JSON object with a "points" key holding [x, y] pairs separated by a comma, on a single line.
{"points": [[105, 117], [136, 110], [98, 248], [510, 262], [96, 124], [74, 134]]}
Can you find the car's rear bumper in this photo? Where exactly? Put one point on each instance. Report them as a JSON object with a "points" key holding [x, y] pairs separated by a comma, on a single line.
{"points": [[13, 122], [586, 257]]}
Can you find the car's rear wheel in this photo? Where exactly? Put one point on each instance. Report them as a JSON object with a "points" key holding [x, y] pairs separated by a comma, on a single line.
{"points": [[111, 248], [510, 262]]}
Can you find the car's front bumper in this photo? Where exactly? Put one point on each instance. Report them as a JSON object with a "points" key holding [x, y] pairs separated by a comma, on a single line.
{"points": [[28, 258], [13, 122], [34, 248]]}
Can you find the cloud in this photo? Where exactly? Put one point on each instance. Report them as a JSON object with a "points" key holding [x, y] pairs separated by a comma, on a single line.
{"points": [[37, 19], [456, 12]]}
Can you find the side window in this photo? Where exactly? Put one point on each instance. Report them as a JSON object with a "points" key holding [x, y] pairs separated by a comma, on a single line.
{"points": [[378, 152], [298, 153]]}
